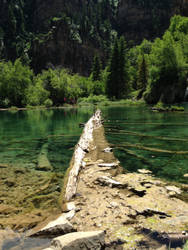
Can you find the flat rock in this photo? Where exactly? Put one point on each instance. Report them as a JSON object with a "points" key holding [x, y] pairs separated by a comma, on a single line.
{"points": [[173, 189], [80, 240], [57, 227], [106, 181], [107, 150], [109, 165], [144, 171], [71, 206]]}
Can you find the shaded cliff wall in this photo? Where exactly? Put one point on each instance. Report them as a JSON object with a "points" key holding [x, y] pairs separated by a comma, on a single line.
{"points": [[69, 33], [147, 19], [134, 19]]}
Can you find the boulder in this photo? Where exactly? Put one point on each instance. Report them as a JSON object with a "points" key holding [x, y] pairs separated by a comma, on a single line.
{"points": [[80, 240]]}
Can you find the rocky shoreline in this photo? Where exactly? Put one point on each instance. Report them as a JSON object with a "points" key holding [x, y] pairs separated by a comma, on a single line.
{"points": [[103, 208]]}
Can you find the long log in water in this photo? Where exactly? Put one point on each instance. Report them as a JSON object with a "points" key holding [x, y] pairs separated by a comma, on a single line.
{"points": [[81, 149]]}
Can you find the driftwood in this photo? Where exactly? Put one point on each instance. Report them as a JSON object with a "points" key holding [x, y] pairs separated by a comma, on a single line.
{"points": [[81, 149]]}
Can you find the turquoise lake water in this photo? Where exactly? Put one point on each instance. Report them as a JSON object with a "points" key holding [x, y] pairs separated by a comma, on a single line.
{"points": [[23, 133], [146, 139], [137, 134]]}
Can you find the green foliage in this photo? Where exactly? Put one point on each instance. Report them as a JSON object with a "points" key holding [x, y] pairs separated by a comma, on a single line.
{"points": [[161, 107], [36, 95], [185, 246], [15, 79], [142, 78], [93, 99], [48, 103], [117, 81], [96, 69], [167, 79], [19, 87]]}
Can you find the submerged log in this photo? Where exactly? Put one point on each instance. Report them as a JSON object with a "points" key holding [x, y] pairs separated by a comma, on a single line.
{"points": [[43, 162], [82, 148], [125, 132], [151, 149]]}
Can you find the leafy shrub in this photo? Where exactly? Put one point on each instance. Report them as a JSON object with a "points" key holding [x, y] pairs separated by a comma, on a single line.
{"points": [[48, 103]]}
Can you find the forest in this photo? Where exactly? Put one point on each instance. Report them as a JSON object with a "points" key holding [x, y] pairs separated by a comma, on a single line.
{"points": [[154, 70]]}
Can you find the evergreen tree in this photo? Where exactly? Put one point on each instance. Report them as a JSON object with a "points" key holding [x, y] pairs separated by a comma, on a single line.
{"points": [[117, 81], [111, 87], [142, 78], [122, 88], [96, 69]]}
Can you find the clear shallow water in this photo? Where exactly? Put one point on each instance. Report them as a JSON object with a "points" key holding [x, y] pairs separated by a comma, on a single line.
{"points": [[137, 133], [23, 133], [146, 139]]}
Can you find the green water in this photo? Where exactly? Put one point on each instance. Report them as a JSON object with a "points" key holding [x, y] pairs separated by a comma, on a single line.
{"points": [[22, 134], [130, 129]]}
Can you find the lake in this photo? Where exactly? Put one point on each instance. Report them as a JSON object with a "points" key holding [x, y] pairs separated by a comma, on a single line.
{"points": [[141, 138], [151, 140]]}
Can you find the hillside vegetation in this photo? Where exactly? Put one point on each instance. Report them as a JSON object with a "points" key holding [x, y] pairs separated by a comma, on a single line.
{"points": [[70, 32], [64, 51]]}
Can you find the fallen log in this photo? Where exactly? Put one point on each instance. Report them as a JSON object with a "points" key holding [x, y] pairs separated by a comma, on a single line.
{"points": [[81, 149]]}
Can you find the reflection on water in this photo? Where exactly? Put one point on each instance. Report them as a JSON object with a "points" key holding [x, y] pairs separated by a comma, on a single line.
{"points": [[151, 140]]}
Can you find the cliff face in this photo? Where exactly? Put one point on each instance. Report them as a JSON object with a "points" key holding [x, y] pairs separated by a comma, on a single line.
{"points": [[69, 33], [73, 44], [147, 19]]}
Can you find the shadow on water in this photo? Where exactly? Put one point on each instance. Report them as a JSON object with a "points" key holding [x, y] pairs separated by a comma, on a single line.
{"points": [[28, 243]]}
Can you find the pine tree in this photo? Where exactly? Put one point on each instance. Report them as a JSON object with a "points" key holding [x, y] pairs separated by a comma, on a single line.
{"points": [[117, 81], [96, 69], [123, 88], [111, 87], [142, 74]]}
